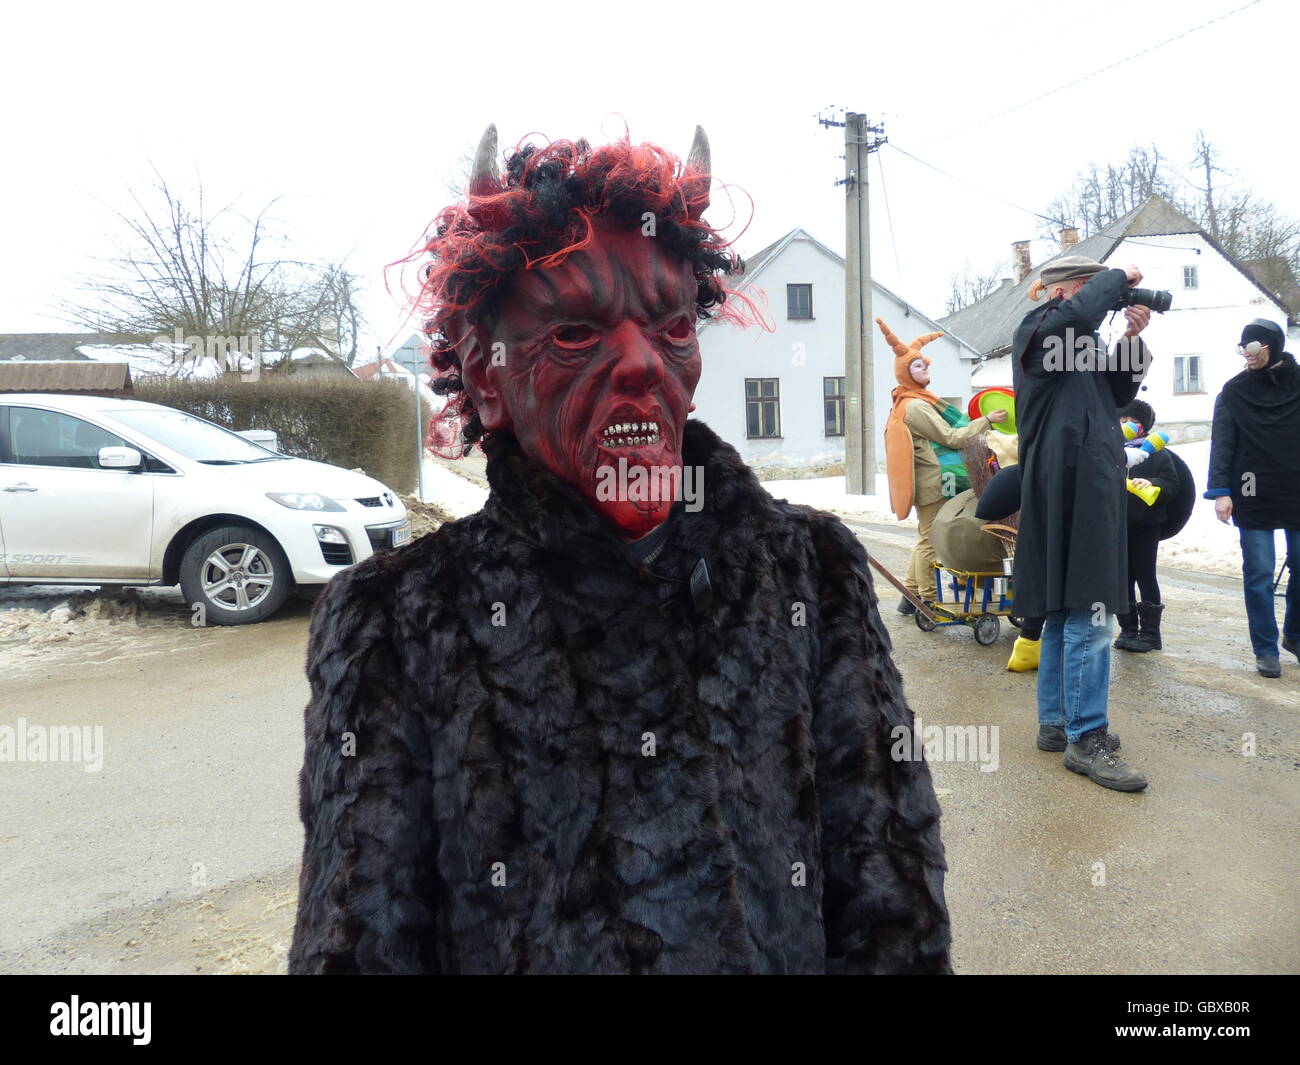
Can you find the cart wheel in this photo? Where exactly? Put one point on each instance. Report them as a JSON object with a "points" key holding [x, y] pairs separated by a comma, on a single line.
{"points": [[1017, 622], [986, 629], [923, 623]]}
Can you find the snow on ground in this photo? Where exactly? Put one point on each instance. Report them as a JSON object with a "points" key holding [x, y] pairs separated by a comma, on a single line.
{"points": [[827, 493], [1205, 544], [457, 494]]}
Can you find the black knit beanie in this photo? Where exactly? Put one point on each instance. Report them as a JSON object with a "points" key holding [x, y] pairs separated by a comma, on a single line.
{"points": [[1266, 332]]}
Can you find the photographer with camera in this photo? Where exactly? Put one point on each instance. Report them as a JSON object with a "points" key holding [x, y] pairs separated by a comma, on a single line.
{"points": [[1071, 562]]}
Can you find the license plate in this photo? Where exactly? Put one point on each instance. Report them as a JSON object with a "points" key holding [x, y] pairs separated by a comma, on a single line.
{"points": [[401, 535]]}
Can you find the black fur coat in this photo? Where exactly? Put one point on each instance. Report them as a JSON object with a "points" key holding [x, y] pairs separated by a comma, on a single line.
{"points": [[529, 753]]}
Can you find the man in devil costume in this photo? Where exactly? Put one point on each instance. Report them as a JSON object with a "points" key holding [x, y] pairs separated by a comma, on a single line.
{"points": [[593, 731]]}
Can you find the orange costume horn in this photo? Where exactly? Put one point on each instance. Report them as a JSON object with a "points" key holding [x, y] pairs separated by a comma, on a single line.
{"points": [[898, 438]]}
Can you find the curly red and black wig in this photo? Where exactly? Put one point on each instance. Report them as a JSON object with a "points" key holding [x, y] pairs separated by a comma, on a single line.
{"points": [[532, 217]]}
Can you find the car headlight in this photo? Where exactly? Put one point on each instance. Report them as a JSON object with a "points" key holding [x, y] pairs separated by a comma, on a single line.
{"points": [[303, 501]]}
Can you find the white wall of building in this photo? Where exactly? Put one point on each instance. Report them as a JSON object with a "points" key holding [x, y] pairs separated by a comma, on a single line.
{"points": [[800, 353], [1205, 321]]}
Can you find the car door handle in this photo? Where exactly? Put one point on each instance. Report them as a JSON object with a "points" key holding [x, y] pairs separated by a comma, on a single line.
{"points": [[21, 486]]}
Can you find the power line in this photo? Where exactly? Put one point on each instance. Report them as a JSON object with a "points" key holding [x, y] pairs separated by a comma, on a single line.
{"points": [[962, 181], [1093, 74], [889, 216]]}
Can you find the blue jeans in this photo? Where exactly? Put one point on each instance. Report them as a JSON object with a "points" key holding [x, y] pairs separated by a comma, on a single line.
{"points": [[1257, 561], [1074, 672]]}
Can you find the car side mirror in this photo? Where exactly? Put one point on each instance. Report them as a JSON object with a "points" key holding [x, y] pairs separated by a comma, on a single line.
{"points": [[120, 458]]}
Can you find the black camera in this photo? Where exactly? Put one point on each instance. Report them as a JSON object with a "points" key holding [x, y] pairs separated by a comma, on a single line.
{"points": [[1156, 298]]}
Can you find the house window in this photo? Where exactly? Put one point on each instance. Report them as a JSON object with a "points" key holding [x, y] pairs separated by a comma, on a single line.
{"points": [[798, 301], [833, 405], [762, 407], [1189, 277], [1187, 373]]}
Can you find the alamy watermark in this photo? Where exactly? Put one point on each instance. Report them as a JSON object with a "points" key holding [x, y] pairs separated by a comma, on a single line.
{"points": [[632, 482], [241, 354], [946, 743], [1080, 353], [53, 743]]}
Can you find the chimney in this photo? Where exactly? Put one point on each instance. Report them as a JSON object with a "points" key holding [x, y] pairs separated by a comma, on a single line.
{"points": [[1069, 237], [1020, 260]]}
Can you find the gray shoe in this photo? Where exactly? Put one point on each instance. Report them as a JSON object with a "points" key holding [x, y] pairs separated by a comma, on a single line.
{"points": [[1269, 666], [1052, 738], [1094, 756]]}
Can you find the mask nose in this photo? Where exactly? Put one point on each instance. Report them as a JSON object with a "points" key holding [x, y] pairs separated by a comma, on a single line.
{"points": [[638, 367]]}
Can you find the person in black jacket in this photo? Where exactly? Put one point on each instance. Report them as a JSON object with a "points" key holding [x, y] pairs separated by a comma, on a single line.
{"points": [[594, 731], [1139, 628], [1255, 480], [1071, 564]]}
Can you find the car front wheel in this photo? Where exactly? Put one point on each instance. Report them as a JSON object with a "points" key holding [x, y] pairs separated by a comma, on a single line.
{"points": [[235, 575]]}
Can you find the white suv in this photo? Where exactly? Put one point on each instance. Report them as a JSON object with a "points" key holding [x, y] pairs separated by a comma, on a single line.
{"points": [[115, 492]]}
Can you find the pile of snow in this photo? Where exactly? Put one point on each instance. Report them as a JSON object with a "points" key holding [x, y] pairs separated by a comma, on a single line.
{"points": [[458, 495], [828, 493], [68, 620]]}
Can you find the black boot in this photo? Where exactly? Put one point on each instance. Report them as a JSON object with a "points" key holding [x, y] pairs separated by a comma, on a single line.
{"points": [[1053, 738], [906, 607], [1148, 637], [1095, 757], [1128, 629]]}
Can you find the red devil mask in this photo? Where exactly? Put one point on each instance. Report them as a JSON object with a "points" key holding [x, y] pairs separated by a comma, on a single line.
{"points": [[591, 362]]}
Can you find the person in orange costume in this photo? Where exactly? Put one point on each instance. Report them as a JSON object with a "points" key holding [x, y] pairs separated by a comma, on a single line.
{"points": [[911, 433]]}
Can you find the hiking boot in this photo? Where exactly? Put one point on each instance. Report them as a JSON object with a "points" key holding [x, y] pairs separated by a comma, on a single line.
{"points": [[1292, 645], [1148, 637], [1094, 755], [906, 607], [1052, 738], [1269, 666], [1128, 629]]}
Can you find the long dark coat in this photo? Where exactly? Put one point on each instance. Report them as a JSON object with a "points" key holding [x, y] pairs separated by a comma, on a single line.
{"points": [[617, 777], [1072, 544]]}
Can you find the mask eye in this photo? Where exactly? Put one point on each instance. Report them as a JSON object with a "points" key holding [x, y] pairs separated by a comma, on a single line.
{"points": [[575, 337], [681, 330]]}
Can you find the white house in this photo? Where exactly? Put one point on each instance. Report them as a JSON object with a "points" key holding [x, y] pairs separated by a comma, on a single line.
{"points": [[1194, 344], [778, 397], [399, 364]]}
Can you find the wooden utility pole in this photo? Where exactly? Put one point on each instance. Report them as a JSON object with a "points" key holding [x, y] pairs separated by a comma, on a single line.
{"points": [[859, 371]]}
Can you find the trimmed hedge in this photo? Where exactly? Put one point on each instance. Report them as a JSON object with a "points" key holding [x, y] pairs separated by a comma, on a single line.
{"points": [[368, 425]]}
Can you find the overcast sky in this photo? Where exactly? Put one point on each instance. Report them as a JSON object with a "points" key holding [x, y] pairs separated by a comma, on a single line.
{"points": [[357, 115]]}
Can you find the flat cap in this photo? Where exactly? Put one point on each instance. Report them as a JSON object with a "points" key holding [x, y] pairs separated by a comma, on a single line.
{"points": [[1070, 268]]}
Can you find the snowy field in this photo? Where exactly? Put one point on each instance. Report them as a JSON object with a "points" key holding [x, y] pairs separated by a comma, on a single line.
{"points": [[1205, 544]]}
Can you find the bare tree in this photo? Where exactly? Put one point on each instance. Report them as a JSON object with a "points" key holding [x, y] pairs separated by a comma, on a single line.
{"points": [[1100, 195], [970, 286], [184, 269]]}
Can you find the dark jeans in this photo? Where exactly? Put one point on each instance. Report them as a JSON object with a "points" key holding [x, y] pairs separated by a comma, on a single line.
{"points": [[1257, 564], [1143, 545]]}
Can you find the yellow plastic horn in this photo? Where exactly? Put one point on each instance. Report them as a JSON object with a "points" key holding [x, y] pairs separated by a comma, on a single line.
{"points": [[1148, 495]]}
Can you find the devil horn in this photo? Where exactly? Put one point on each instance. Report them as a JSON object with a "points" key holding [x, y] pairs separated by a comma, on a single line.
{"points": [[899, 347], [923, 340], [485, 178], [700, 162]]}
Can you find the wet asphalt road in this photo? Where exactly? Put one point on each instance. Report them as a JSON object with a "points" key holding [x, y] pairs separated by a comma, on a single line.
{"points": [[181, 854]]}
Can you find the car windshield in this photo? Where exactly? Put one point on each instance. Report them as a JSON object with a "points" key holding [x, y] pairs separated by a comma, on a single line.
{"points": [[193, 437]]}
